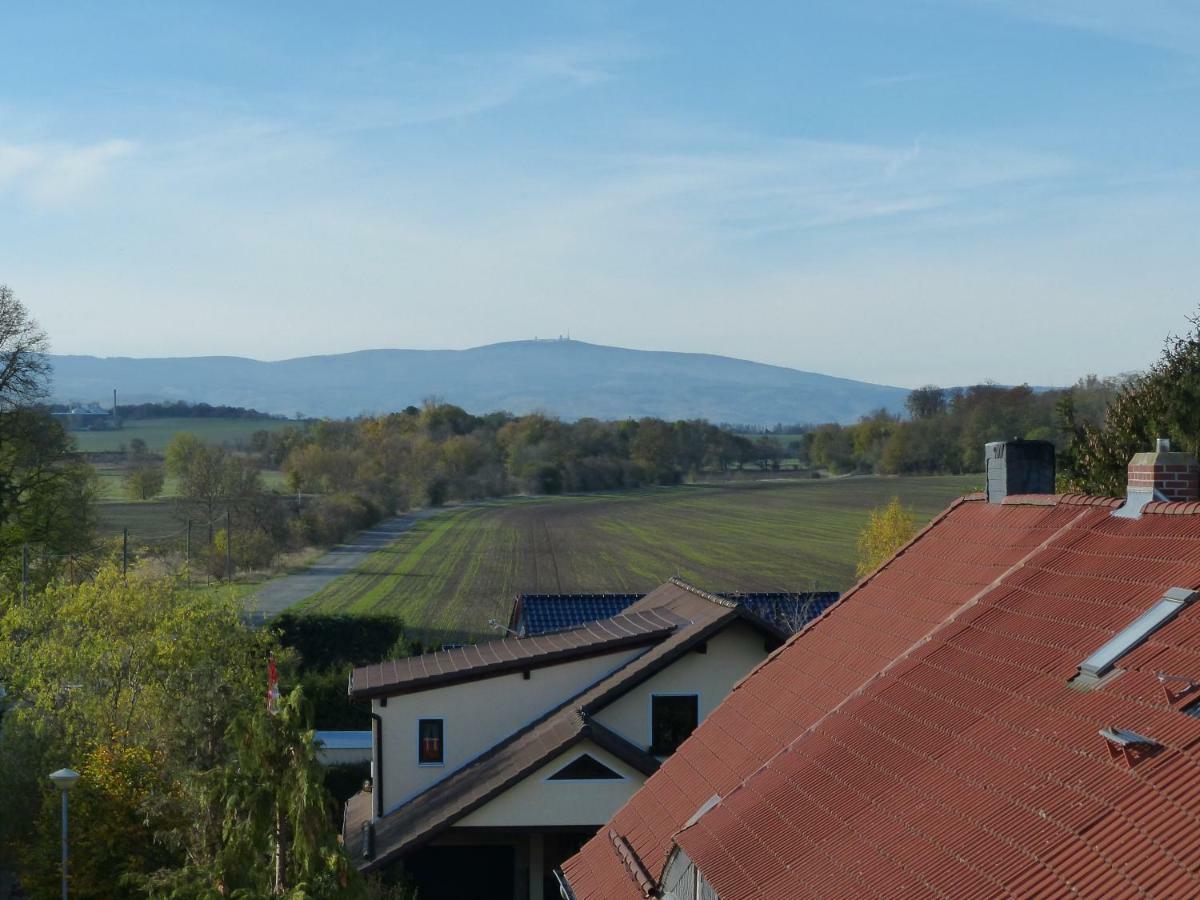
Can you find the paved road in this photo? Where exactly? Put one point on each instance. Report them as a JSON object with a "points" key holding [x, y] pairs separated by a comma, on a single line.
{"points": [[278, 594]]}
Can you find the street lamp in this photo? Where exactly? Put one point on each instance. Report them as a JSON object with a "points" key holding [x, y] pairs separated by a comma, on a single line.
{"points": [[64, 780]]}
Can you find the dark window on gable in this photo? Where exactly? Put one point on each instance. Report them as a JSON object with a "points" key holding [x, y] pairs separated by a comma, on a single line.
{"points": [[672, 719], [585, 768], [430, 749]]}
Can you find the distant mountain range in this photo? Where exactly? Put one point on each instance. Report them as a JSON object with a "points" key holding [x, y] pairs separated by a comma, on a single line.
{"points": [[570, 379]]}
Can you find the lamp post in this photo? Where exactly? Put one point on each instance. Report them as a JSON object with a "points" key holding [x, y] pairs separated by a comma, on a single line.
{"points": [[64, 780]]}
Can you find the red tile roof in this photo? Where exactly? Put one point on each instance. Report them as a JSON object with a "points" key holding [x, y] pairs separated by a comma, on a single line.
{"points": [[922, 738]]}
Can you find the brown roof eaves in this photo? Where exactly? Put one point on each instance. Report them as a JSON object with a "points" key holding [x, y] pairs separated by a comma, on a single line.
{"points": [[508, 655]]}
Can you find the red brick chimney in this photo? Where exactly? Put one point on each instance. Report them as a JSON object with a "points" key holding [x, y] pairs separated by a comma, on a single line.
{"points": [[1165, 474]]}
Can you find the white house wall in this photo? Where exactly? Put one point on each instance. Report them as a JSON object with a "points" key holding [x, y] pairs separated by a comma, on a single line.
{"points": [[476, 716], [731, 654], [536, 802]]}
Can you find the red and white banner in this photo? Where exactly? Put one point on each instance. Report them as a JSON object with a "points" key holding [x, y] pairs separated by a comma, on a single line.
{"points": [[272, 686]]}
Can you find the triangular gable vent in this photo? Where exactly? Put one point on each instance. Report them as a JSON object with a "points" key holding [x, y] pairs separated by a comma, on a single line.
{"points": [[585, 768]]}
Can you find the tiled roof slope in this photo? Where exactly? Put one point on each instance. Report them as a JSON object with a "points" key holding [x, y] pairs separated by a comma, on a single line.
{"points": [[415, 673], [921, 737], [698, 615]]}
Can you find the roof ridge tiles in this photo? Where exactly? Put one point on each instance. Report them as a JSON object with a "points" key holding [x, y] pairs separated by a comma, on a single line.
{"points": [[1171, 508], [1062, 500], [700, 592]]}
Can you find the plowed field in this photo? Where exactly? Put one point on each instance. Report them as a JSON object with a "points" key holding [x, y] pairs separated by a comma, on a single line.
{"points": [[451, 573]]}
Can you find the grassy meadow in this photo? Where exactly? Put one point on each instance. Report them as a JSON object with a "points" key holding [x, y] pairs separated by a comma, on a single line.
{"points": [[157, 433], [147, 518], [453, 572]]}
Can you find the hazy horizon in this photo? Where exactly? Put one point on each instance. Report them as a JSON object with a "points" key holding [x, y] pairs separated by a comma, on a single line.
{"points": [[948, 192]]}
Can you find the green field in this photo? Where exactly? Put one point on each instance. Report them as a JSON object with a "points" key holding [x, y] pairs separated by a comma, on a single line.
{"points": [[111, 483], [148, 521], [157, 433], [451, 573]]}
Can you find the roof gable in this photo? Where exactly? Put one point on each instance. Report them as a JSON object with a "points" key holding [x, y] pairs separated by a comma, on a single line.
{"points": [[699, 614]]}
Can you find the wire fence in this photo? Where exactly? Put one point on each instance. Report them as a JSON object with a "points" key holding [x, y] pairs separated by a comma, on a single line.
{"points": [[189, 552]]}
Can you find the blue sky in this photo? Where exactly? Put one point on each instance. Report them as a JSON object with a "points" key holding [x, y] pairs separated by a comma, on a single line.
{"points": [[904, 192]]}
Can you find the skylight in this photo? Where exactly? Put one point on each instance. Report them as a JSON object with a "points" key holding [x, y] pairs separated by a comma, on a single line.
{"points": [[1162, 612]]}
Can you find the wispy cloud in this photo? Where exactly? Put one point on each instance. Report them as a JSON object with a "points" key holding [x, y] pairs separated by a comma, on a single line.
{"points": [[52, 175], [1170, 24], [393, 92], [772, 186]]}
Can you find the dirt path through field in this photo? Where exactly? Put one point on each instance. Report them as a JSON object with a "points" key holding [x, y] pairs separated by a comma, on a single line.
{"points": [[278, 594]]}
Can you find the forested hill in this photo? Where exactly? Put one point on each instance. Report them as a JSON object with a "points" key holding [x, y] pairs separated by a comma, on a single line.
{"points": [[570, 379]]}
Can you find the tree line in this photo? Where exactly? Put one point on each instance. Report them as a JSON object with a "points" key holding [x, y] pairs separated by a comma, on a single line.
{"points": [[177, 409], [945, 429]]}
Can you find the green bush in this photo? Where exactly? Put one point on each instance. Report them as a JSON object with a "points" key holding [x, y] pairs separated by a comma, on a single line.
{"points": [[325, 642]]}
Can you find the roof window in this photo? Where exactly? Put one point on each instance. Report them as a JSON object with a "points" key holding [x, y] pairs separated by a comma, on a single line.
{"points": [[1163, 611]]}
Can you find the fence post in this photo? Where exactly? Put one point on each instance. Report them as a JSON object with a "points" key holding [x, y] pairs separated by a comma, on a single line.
{"points": [[124, 551], [24, 572], [187, 552], [228, 546]]}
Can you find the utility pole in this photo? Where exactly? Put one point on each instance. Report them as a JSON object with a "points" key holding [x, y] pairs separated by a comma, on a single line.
{"points": [[228, 546], [124, 551]]}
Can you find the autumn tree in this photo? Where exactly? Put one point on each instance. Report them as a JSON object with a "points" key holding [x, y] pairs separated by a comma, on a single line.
{"points": [[1162, 402], [144, 481], [155, 694], [889, 528], [926, 402], [24, 366], [46, 491], [214, 482]]}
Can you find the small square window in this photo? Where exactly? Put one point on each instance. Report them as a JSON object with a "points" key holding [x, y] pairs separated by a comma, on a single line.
{"points": [[672, 718], [430, 748]]}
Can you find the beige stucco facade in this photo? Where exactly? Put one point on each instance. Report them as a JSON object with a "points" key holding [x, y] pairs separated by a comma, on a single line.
{"points": [[732, 653], [476, 716], [537, 802]]}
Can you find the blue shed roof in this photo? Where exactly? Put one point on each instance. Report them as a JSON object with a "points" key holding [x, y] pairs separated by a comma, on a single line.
{"points": [[343, 740]]}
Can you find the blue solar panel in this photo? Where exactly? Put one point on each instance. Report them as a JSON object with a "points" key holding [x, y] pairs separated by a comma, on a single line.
{"points": [[542, 613], [789, 611]]}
